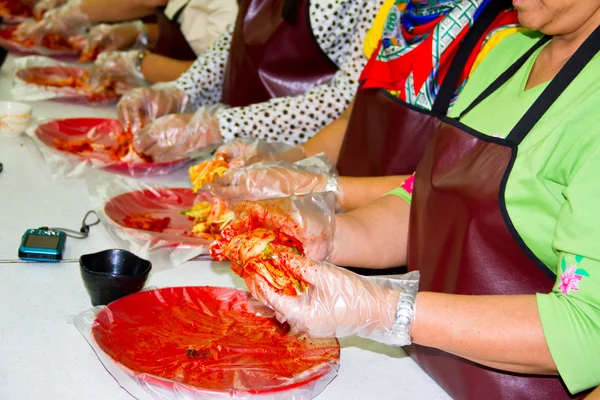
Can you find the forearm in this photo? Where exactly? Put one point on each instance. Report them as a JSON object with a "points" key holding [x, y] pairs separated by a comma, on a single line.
{"points": [[357, 192], [503, 332], [374, 236], [329, 140], [595, 395], [157, 68], [117, 10], [152, 31]]}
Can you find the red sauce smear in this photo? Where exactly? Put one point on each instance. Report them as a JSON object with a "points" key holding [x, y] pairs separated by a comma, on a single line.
{"points": [[116, 152], [15, 8], [49, 40], [146, 222], [209, 338]]}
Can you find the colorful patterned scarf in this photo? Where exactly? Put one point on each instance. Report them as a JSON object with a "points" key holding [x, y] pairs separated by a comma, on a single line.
{"points": [[420, 39]]}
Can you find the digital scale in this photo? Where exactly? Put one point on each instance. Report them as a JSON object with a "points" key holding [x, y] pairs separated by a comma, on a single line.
{"points": [[45, 245]]}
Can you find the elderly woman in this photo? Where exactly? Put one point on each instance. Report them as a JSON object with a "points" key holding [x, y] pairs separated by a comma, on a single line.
{"points": [[501, 225], [403, 95], [285, 70]]}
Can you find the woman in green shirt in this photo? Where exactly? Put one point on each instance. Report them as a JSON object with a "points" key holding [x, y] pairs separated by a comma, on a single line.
{"points": [[503, 228]]}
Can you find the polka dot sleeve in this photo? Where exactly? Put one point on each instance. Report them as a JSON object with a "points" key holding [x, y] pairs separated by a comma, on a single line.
{"points": [[203, 81], [296, 119]]}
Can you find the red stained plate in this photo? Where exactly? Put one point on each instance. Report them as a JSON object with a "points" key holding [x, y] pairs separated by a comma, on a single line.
{"points": [[101, 131], [159, 203], [58, 74], [11, 45], [210, 342]]}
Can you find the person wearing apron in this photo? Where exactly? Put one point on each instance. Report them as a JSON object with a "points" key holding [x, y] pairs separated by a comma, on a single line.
{"points": [[401, 127], [286, 69], [502, 230], [158, 52]]}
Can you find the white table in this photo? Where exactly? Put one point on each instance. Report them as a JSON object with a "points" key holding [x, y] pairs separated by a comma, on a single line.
{"points": [[43, 356]]}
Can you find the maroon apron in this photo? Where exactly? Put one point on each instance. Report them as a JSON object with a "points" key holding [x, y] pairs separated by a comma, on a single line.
{"points": [[171, 42], [272, 54], [386, 135], [462, 239]]}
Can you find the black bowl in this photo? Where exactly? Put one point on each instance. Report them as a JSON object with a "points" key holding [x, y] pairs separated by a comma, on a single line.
{"points": [[112, 274]]}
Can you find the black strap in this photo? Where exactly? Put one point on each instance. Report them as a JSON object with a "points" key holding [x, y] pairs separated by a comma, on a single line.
{"points": [[482, 23], [584, 54], [289, 12], [505, 76]]}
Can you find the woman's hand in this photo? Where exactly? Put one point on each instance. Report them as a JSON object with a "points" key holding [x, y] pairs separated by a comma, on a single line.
{"points": [[141, 106], [117, 66], [341, 303], [109, 37], [244, 152], [310, 219], [176, 136], [275, 179], [67, 21]]}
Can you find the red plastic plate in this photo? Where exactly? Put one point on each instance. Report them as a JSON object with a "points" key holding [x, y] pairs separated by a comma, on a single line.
{"points": [[11, 45], [59, 74], [211, 341], [159, 203], [104, 132]]}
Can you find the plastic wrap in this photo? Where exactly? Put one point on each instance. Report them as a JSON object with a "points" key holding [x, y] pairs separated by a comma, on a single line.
{"points": [[120, 201], [92, 142], [206, 343], [309, 218], [247, 151], [29, 70], [267, 180], [7, 42]]}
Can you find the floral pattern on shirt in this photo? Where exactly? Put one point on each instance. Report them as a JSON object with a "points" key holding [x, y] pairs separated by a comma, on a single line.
{"points": [[571, 276]]}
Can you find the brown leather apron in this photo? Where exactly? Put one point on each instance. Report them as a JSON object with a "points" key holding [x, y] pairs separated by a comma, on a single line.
{"points": [[463, 241], [273, 55], [171, 42], [386, 135]]}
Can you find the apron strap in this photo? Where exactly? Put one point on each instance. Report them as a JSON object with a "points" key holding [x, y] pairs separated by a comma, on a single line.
{"points": [[448, 87], [584, 54], [504, 77], [289, 12]]}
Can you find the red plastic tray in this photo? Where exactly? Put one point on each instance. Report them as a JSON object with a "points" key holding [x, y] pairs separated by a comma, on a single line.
{"points": [[105, 130], [159, 203], [11, 45], [60, 73], [238, 353]]}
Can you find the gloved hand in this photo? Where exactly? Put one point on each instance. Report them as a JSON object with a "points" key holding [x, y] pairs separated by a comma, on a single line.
{"points": [[276, 179], [117, 66], [340, 303], [42, 6], [176, 136], [141, 106], [109, 37], [244, 152], [67, 20], [309, 218]]}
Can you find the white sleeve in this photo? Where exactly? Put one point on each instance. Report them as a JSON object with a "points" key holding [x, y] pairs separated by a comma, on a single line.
{"points": [[203, 21], [203, 81]]}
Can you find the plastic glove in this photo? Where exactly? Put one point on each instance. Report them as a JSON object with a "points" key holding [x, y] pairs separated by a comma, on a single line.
{"points": [[177, 136], [340, 303], [276, 179], [141, 106], [44, 5], [117, 66], [309, 218], [109, 37], [66, 21], [243, 152]]}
